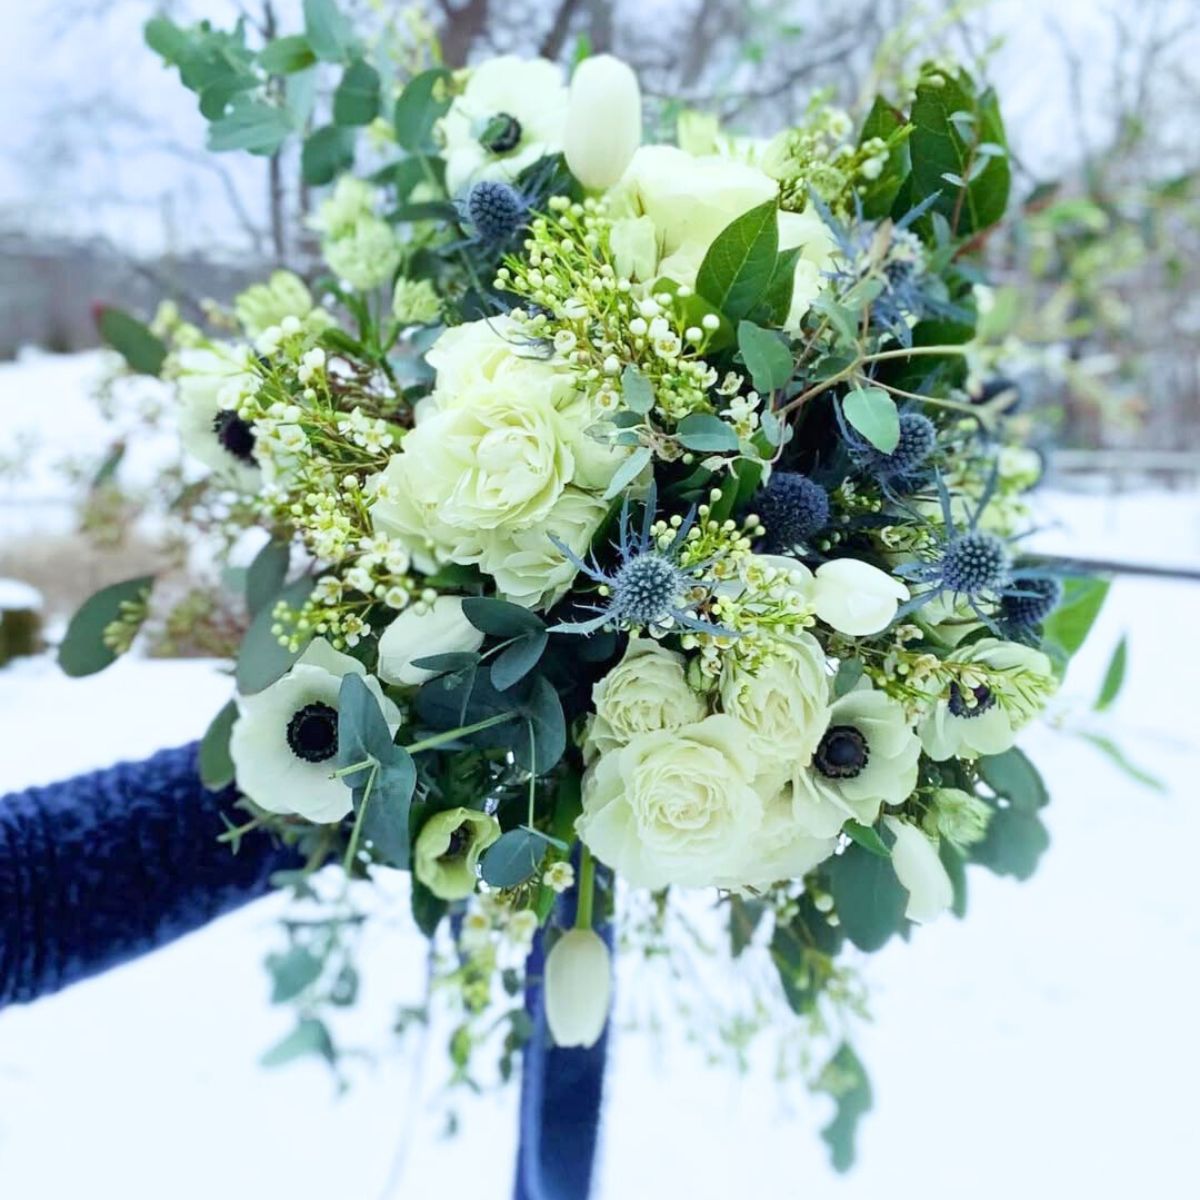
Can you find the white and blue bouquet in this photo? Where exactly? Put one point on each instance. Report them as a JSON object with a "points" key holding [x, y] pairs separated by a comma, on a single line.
{"points": [[635, 517]]}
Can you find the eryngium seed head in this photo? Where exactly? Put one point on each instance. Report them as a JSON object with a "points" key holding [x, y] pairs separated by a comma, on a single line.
{"points": [[975, 562], [793, 508], [495, 209], [646, 589], [1034, 601], [918, 436]]}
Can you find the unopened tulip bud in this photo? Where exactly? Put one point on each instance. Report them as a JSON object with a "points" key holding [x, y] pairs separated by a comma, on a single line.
{"points": [[604, 121], [920, 871], [578, 988]]}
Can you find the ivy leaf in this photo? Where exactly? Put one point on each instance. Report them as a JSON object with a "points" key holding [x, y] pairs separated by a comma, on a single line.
{"points": [[873, 413], [265, 575], [356, 101], [82, 650], [1114, 677], [286, 56], [738, 266], [214, 761], [513, 858], [328, 152], [142, 350], [868, 898], [845, 1079], [417, 110], [706, 433], [766, 356]]}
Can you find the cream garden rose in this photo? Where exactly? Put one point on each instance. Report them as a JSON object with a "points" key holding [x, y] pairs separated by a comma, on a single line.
{"points": [[646, 692], [676, 806]]}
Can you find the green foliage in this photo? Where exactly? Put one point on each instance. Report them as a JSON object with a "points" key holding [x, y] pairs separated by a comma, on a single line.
{"points": [[327, 153], [514, 663], [636, 390], [867, 837], [251, 125], [83, 650], [265, 575], [262, 658], [1114, 676], [867, 896], [292, 972], [849, 672], [328, 31], [766, 356], [873, 413], [427, 909], [706, 433], [142, 350], [513, 858], [845, 1079], [418, 108], [959, 152], [214, 760], [1015, 837], [628, 471], [310, 1036], [357, 99], [286, 56], [1067, 627], [887, 123], [499, 618], [773, 305], [745, 915], [739, 265]]}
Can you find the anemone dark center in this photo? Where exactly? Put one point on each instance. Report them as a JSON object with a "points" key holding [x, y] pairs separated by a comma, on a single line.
{"points": [[981, 699], [235, 435], [312, 732], [843, 753], [503, 133], [458, 843]]}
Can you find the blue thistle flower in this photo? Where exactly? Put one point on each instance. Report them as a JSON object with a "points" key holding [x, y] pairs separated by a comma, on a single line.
{"points": [[793, 508], [1032, 604], [648, 588], [918, 437], [975, 563], [496, 210]]}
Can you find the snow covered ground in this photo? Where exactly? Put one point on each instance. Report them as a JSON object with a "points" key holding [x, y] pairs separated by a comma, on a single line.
{"points": [[1046, 1046]]}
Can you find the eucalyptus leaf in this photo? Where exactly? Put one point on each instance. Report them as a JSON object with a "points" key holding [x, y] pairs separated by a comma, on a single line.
{"points": [[362, 731], [292, 972], [385, 818], [636, 390], [512, 664], [513, 858], [214, 762], [356, 101], [311, 1036], [1014, 777], [82, 650], [328, 31], [427, 909], [265, 575], [633, 465], [286, 55], [417, 109], [327, 153], [868, 898], [845, 1079], [706, 433], [872, 412], [849, 672], [142, 350], [262, 658], [251, 125], [499, 618], [1114, 676], [539, 746]]}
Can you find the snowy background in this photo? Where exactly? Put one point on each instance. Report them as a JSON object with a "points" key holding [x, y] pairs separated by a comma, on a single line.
{"points": [[1046, 1046]]}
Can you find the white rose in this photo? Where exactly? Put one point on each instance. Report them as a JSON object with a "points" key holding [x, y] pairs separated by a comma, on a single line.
{"points": [[920, 871], [530, 93], [674, 807], [527, 566], [604, 121], [867, 757], [284, 741], [473, 355], [439, 629], [783, 704], [854, 597], [971, 721], [645, 692], [577, 983], [781, 849]]}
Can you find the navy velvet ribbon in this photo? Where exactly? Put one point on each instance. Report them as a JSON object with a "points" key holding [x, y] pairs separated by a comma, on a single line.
{"points": [[99, 869]]}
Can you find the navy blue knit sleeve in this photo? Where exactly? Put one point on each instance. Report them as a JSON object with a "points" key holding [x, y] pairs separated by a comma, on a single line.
{"points": [[99, 869]]}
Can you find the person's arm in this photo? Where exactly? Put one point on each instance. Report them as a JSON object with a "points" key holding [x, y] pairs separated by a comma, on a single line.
{"points": [[99, 869]]}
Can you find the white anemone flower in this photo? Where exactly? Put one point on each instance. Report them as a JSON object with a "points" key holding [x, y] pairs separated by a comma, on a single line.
{"points": [[284, 741], [210, 384], [511, 113]]}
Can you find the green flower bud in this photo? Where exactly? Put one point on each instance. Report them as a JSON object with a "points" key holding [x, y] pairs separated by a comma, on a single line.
{"points": [[957, 816], [448, 849]]}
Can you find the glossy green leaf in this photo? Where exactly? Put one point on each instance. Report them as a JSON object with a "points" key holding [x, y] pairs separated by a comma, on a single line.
{"points": [[251, 125], [1067, 627], [328, 31], [513, 858], [356, 101], [1014, 777], [327, 153], [418, 108], [1114, 676], [867, 838], [885, 122], [739, 265], [142, 350], [286, 55], [427, 909], [512, 664]]}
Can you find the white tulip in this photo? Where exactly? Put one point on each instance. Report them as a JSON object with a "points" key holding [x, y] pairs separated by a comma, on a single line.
{"points": [[854, 597], [439, 629], [578, 988], [919, 869], [604, 121]]}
